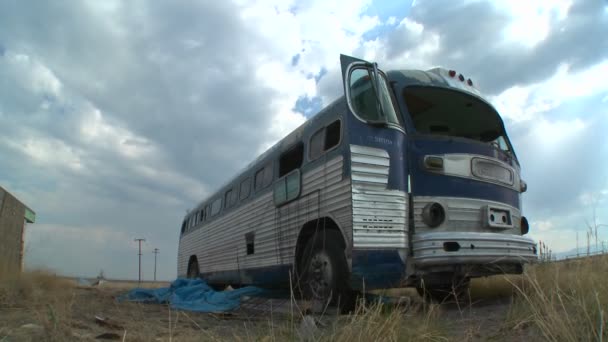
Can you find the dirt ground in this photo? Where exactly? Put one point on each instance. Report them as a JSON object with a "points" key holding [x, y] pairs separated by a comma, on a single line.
{"points": [[93, 313]]}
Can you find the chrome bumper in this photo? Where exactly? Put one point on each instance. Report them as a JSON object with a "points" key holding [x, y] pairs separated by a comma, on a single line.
{"points": [[439, 248]]}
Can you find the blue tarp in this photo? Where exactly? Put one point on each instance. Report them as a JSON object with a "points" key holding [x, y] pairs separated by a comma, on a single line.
{"points": [[192, 295]]}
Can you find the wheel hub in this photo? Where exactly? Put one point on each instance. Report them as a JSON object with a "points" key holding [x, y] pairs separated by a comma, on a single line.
{"points": [[321, 276]]}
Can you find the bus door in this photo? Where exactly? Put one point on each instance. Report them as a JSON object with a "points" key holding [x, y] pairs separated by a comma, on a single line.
{"points": [[378, 169]]}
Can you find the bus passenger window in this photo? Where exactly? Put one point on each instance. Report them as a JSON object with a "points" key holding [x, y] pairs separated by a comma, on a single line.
{"points": [[234, 197], [245, 189], [216, 207], [332, 135], [291, 160], [227, 200], [316, 144], [268, 173], [263, 177], [324, 139]]}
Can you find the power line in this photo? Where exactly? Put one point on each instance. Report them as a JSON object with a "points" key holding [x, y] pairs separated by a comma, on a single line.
{"points": [[139, 275], [155, 253]]}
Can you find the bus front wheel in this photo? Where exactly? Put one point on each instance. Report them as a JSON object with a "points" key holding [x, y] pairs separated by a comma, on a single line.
{"points": [[323, 271]]}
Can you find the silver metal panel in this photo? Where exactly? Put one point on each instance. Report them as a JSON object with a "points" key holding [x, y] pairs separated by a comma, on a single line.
{"points": [[475, 248], [220, 245], [379, 214], [463, 214]]}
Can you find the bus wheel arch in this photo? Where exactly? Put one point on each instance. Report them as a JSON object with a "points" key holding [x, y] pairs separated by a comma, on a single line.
{"points": [[193, 268], [321, 269], [308, 231]]}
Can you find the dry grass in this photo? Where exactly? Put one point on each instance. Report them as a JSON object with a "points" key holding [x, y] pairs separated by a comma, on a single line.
{"points": [[39, 299], [566, 301], [557, 302]]}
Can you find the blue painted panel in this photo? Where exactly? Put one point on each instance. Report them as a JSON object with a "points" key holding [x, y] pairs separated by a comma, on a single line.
{"points": [[376, 269], [268, 277], [426, 183], [389, 139]]}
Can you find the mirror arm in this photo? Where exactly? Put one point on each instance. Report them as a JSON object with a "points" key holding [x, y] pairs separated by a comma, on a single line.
{"points": [[376, 85]]}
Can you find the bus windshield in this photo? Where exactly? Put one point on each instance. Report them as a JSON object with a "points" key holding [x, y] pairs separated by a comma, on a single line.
{"points": [[447, 112]]}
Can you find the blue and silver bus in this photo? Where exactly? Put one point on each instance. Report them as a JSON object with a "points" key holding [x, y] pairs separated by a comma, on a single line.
{"points": [[408, 179]]}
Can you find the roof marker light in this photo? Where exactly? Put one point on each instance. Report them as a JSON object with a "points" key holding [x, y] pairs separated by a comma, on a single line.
{"points": [[461, 78], [452, 73], [469, 82]]}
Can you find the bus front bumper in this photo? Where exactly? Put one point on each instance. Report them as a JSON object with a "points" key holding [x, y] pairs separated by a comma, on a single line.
{"points": [[470, 248]]}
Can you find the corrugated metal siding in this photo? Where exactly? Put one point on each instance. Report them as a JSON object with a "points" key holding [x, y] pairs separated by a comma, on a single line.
{"points": [[220, 245], [463, 214], [379, 214]]}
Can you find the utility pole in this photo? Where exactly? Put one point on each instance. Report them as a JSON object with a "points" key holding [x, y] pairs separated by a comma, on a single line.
{"points": [[155, 253], [577, 243], [139, 275]]}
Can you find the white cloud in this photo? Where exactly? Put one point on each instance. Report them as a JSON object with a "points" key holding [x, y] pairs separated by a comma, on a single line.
{"points": [[34, 75], [48, 152], [543, 226], [524, 103], [532, 21], [148, 115]]}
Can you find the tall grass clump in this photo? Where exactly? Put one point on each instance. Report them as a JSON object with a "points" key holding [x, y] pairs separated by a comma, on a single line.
{"points": [[564, 301], [39, 299], [376, 321]]}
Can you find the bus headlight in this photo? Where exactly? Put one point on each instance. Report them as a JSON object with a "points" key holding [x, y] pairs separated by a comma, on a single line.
{"points": [[433, 163], [433, 214], [525, 228]]}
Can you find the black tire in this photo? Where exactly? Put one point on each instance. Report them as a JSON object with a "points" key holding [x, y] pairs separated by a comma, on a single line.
{"points": [[193, 270], [456, 290], [323, 271]]}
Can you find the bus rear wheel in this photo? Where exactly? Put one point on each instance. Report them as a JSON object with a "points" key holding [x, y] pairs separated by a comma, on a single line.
{"points": [[193, 270], [323, 272]]}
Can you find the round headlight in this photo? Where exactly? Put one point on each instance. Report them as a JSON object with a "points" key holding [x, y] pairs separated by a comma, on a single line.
{"points": [[525, 228], [433, 214]]}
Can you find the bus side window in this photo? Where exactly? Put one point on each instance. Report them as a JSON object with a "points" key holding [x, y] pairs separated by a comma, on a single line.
{"points": [[291, 160], [234, 197], [287, 188], [263, 177], [332, 135], [316, 144], [324, 140], [245, 189], [216, 207], [227, 198]]}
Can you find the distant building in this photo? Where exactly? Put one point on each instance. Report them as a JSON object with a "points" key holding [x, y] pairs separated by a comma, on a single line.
{"points": [[13, 217]]}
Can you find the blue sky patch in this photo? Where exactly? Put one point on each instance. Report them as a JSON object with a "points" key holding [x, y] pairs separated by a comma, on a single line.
{"points": [[320, 75], [384, 10], [295, 59], [308, 106]]}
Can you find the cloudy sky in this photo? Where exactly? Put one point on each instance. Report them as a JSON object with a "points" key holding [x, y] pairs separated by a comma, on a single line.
{"points": [[116, 117]]}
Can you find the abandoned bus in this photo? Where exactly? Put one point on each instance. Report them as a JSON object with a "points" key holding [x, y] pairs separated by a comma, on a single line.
{"points": [[408, 179]]}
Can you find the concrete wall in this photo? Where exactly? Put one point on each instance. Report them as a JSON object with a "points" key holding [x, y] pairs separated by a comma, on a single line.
{"points": [[12, 223]]}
